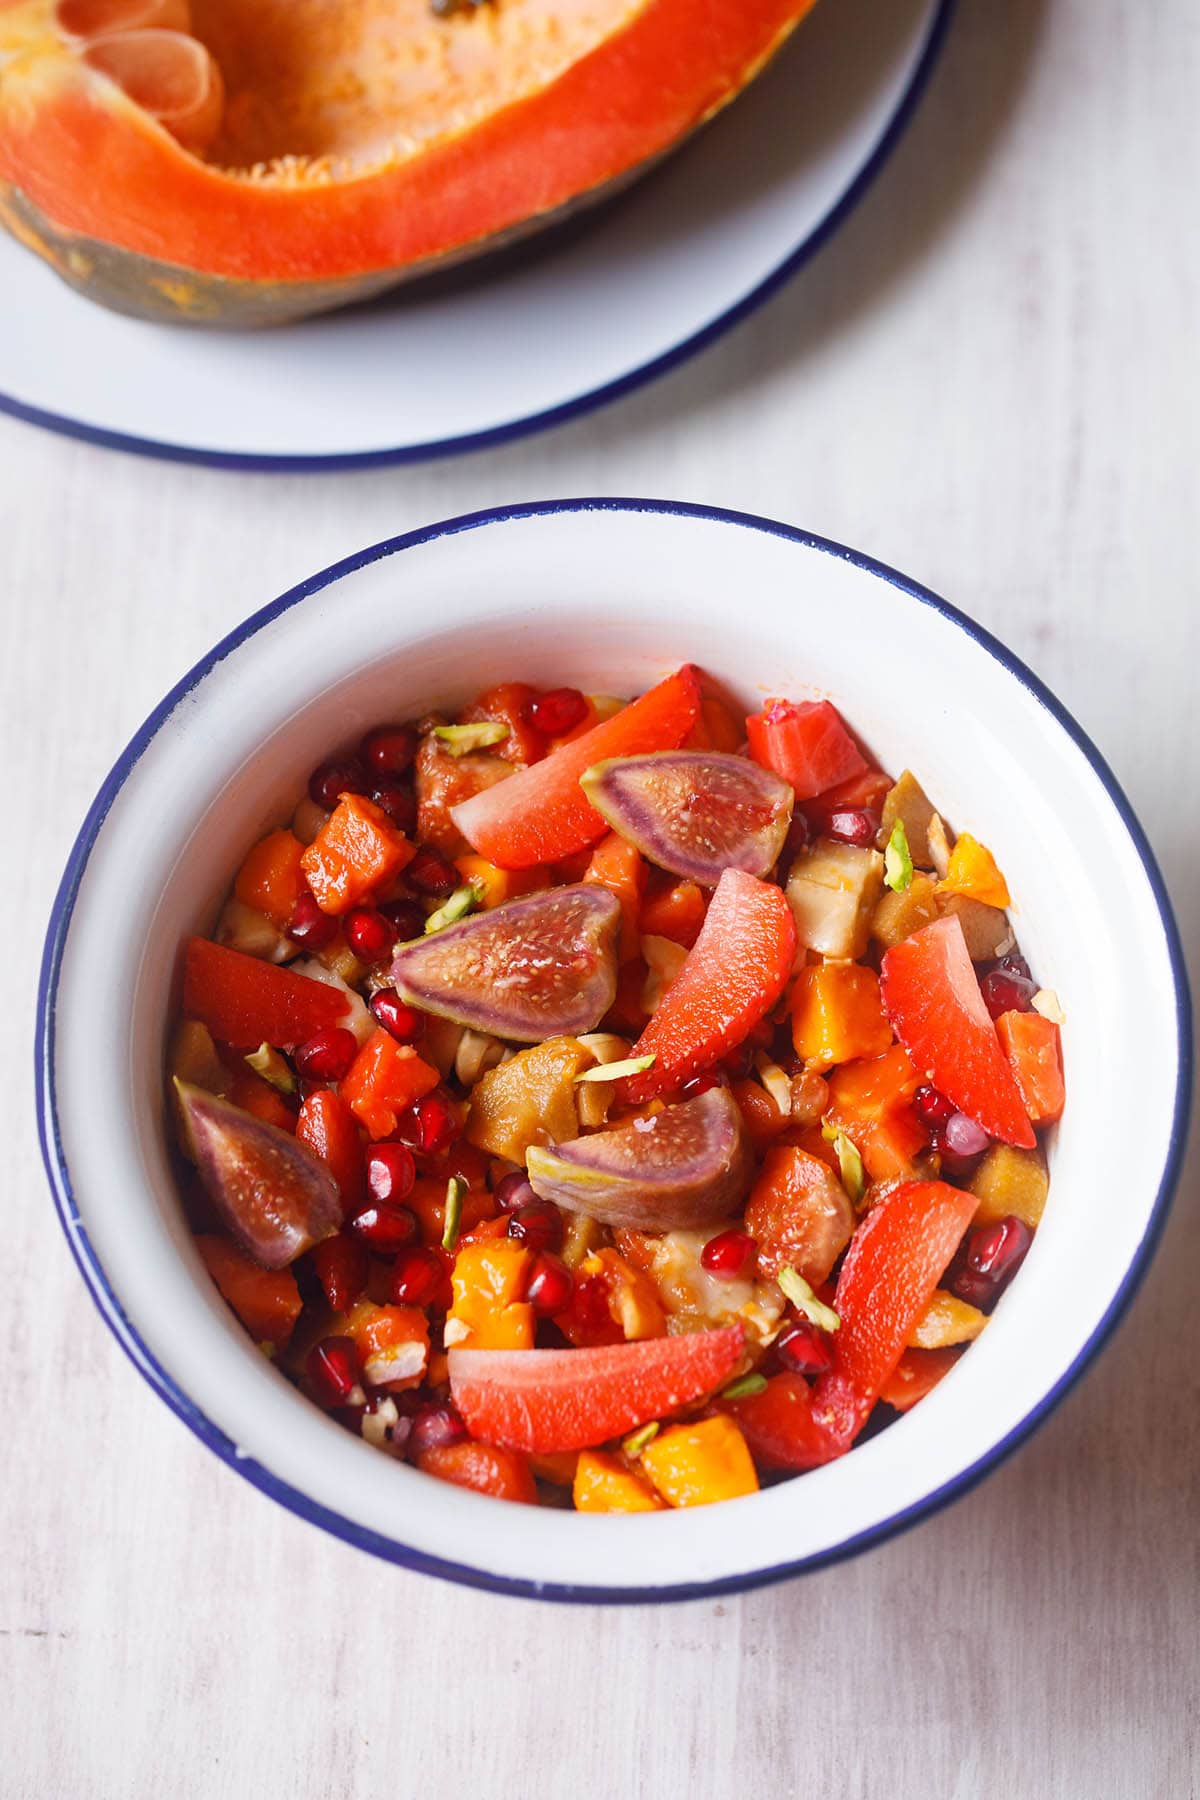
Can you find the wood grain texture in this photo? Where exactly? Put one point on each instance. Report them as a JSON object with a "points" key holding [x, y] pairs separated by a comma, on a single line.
{"points": [[990, 378]]}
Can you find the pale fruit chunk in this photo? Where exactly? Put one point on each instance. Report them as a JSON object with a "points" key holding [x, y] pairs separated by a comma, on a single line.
{"points": [[694, 812], [832, 891], [986, 929], [906, 803], [683, 1167], [530, 1099], [1011, 1183], [693, 1298], [898, 915], [947, 1320], [538, 967], [276, 1198]]}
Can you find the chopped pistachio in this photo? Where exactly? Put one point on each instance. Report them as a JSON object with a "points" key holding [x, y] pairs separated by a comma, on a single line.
{"points": [[460, 740], [850, 1162], [897, 863], [743, 1387], [267, 1062], [462, 901], [636, 1442], [456, 1189], [616, 1071], [798, 1291]]}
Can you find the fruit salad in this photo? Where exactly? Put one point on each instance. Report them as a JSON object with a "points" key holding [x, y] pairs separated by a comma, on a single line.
{"points": [[617, 1104]]}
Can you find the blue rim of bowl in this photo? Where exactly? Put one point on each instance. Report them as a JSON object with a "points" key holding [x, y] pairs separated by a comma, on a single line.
{"points": [[391, 1549], [589, 401]]}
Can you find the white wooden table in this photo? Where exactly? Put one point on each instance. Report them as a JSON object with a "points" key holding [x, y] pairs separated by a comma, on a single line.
{"points": [[991, 379]]}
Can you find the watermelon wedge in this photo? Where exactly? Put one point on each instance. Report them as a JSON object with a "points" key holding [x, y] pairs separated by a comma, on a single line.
{"points": [[541, 814], [542, 1401], [931, 995]]}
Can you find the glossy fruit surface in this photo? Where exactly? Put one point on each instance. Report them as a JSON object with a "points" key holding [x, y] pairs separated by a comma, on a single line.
{"points": [[693, 812]]}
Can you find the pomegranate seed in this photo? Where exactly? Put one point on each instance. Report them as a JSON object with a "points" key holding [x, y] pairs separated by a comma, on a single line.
{"points": [[342, 775], [804, 1350], [931, 1106], [391, 1173], [550, 1285], [404, 1022], [407, 917], [728, 1253], [852, 825], [431, 873], [398, 802], [385, 1228], [326, 1057], [538, 1226], [988, 1260], [1014, 964], [557, 712], [700, 1084], [389, 749], [1004, 992], [369, 934], [310, 927], [333, 1368], [418, 1277], [963, 1137], [433, 1427], [513, 1192], [437, 1123]]}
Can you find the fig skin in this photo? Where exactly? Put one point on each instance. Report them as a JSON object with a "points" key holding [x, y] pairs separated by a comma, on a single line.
{"points": [[695, 813], [274, 1196], [683, 1168], [539, 967]]}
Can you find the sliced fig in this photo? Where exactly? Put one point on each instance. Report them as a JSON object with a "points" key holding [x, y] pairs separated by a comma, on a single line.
{"points": [[541, 966], [686, 1166], [694, 812], [275, 1196]]}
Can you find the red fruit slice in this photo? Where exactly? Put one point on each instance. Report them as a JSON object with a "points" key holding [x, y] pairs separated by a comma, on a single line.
{"points": [[546, 1400], [734, 974], [779, 1427], [806, 743], [931, 995], [895, 1261], [246, 1002], [694, 812], [541, 814]]}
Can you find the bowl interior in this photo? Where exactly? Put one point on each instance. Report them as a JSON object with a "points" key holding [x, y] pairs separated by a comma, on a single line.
{"points": [[609, 600]]}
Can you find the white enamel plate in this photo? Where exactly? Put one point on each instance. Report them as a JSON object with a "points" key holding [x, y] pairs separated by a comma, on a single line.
{"points": [[475, 358]]}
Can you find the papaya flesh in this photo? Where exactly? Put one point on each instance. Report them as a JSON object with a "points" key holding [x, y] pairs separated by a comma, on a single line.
{"points": [[238, 162]]}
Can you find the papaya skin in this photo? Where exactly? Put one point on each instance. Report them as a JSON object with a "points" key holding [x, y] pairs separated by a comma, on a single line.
{"points": [[167, 236]]}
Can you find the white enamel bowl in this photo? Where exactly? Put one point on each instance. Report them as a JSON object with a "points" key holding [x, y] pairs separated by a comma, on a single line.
{"points": [[608, 595]]}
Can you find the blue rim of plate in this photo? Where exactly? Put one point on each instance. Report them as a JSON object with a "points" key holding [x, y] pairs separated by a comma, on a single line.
{"points": [[589, 401], [391, 1549]]}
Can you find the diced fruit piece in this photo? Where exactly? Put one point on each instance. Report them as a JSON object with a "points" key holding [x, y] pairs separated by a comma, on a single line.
{"points": [[915, 1375], [986, 930], [392, 1341], [683, 1167], [603, 1484], [357, 851], [734, 974], [1003, 991], [973, 873], [384, 1081], [530, 1099], [341, 1264], [507, 704], [274, 1195], [894, 1263], [254, 1095], [701, 1462], [541, 1400], [542, 814], [675, 912], [947, 1320], [194, 1058], [443, 782], [779, 1426], [832, 890], [933, 1000], [907, 804], [1031, 1044], [244, 928], [1012, 1183], [246, 1002], [897, 916], [696, 1297], [664, 961], [837, 1015], [537, 1226], [327, 1126], [694, 812], [271, 879], [537, 967], [872, 1102], [267, 1301], [799, 1214], [630, 1296], [760, 1111], [806, 743], [490, 1311], [501, 1474], [495, 886], [617, 866]]}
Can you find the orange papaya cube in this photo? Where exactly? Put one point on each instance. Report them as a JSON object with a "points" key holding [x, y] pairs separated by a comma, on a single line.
{"points": [[631, 1296], [271, 878], [356, 851], [495, 885], [799, 1214], [700, 1462], [837, 1015], [267, 1301], [872, 1102], [1031, 1044], [489, 1312], [617, 866], [917, 1374], [383, 1081], [502, 1474], [428, 1201], [392, 1342], [760, 1115], [675, 912], [254, 1095], [973, 874], [603, 1484]]}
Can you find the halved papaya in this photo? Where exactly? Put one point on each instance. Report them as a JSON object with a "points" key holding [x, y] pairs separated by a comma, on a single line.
{"points": [[234, 162]]}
